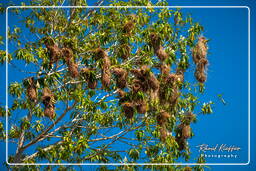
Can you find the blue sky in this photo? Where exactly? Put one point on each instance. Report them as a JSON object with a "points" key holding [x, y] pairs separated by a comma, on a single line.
{"points": [[227, 74]]}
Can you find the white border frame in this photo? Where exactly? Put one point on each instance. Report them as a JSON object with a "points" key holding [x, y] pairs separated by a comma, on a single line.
{"points": [[249, 113]]}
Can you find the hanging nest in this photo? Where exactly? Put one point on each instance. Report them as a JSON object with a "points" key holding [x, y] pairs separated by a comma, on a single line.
{"points": [[106, 63], [68, 55], [128, 26], [121, 93], [73, 69], [54, 52], [137, 86], [47, 97], [125, 51], [153, 82], [48, 101], [162, 117], [31, 90], [173, 99], [186, 131], [100, 53], [200, 50], [121, 77], [128, 109], [161, 54], [200, 75], [105, 78], [163, 134], [189, 117], [141, 107], [154, 40], [92, 84], [49, 111]]}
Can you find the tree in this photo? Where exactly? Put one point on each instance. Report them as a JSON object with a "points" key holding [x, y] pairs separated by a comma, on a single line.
{"points": [[105, 85]]}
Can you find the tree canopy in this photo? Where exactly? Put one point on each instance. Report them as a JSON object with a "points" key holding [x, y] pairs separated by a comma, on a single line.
{"points": [[104, 85]]}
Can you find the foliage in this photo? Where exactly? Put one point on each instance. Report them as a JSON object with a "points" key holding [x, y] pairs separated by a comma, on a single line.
{"points": [[98, 88]]}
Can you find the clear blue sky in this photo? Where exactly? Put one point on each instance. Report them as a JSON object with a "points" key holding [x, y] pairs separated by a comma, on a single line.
{"points": [[227, 74]]}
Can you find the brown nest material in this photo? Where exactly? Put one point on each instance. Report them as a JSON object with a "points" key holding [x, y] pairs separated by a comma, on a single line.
{"points": [[31, 90], [105, 78], [73, 69], [160, 53], [92, 84], [189, 117], [200, 75], [106, 63], [125, 51], [141, 107], [154, 40], [173, 99], [128, 26], [162, 117], [68, 55], [163, 134], [128, 110], [47, 97], [121, 93], [200, 50], [48, 101], [137, 86], [100, 53], [186, 131], [54, 52], [153, 82], [49, 111], [121, 77]]}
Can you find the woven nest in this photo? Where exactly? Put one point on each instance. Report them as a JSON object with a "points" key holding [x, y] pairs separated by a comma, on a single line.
{"points": [[31, 90], [163, 134], [153, 82], [121, 93], [141, 107], [137, 86], [160, 53], [121, 77], [162, 118], [47, 97], [100, 53], [49, 111], [186, 131], [73, 69], [200, 75], [154, 40], [68, 55], [54, 52], [173, 99], [106, 63], [128, 110], [92, 84], [200, 50], [105, 78]]}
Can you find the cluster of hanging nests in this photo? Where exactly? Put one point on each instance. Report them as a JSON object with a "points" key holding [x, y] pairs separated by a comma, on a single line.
{"points": [[199, 57], [165, 88], [47, 97]]}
